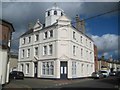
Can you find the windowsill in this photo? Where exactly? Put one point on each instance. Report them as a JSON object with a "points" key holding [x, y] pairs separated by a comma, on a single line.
{"points": [[50, 37], [46, 75], [50, 55], [44, 38], [45, 55], [28, 57], [27, 73], [37, 41]]}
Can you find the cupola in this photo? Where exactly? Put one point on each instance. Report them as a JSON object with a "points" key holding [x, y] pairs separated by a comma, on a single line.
{"points": [[52, 14]]}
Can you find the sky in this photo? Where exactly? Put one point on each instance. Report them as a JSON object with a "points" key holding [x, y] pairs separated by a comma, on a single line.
{"points": [[102, 29]]}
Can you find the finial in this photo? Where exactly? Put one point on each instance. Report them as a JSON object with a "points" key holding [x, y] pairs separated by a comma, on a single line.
{"points": [[55, 5]]}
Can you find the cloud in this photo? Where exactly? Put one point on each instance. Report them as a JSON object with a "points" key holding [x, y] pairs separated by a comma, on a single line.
{"points": [[20, 14], [107, 44]]}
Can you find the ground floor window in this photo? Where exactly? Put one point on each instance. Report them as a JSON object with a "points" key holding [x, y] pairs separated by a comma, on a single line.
{"points": [[22, 67], [48, 68], [73, 68], [27, 68]]}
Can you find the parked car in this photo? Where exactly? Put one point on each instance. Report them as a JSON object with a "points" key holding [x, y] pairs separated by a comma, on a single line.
{"points": [[118, 74], [16, 75], [105, 73], [96, 75], [113, 73]]}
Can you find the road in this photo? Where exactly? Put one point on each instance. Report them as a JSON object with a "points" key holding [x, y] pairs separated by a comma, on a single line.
{"points": [[38, 84]]}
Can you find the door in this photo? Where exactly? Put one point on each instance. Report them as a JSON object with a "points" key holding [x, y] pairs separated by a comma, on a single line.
{"points": [[63, 70], [35, 69]]}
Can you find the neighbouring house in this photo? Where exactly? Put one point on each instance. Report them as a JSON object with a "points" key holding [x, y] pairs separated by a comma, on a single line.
{"points": [[13, 62], [108, 64], [57, 50], [6, 29]]}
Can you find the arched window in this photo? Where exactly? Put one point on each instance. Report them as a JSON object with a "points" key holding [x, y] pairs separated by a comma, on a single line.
{"points": [[61, 14], [55, 12], [48, 13]]}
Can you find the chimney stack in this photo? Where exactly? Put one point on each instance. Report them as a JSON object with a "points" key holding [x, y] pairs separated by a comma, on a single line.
{"points": [[80, 24]]}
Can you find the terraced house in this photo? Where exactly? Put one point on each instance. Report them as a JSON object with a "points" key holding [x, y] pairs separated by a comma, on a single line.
{"points": [[57, 50]]}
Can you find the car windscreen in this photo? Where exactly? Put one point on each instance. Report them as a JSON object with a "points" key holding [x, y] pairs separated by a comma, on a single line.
{"points": [[103, 72]]}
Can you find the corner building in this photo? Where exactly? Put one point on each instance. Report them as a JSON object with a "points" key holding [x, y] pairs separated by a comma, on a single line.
{"points": [[57, 50]]}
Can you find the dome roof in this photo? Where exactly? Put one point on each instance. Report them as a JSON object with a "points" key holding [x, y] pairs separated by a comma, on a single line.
{"points": [[55, 7]]}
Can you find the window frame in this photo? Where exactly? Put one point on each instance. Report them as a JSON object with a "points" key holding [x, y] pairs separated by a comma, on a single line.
{"points": [[45, 50], [74, 35], [36, 37], [28, 53], [48, 13], [50, 49], [27, 68], [55, 12], [36, 51]]}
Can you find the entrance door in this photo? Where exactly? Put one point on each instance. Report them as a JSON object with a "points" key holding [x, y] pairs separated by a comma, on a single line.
{"points": [[35, 69], [63, 70]]}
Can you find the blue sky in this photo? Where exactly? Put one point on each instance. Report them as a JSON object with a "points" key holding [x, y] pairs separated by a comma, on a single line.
{"points": [[103, 29], [103, 25]]}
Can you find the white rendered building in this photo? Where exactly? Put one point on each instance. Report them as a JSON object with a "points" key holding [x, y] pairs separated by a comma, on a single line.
{"points": [[57, 51]]}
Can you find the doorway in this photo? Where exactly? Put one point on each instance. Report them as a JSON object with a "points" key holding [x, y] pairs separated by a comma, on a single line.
{"points": [[63, 70]]}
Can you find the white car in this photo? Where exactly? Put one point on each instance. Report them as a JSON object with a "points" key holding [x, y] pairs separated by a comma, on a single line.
{"points": [[105, 73]]}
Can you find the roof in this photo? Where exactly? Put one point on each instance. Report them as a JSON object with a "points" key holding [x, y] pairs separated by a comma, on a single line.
{"points": [[54, 8], [4, 22], [32, 30], [81, 32]]}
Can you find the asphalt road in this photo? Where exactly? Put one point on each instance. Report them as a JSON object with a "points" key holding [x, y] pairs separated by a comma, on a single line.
{"points": [[111, 83], [107, 83]]}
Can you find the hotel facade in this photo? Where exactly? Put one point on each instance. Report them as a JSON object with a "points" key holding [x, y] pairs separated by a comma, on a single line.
{"points": [[57, 50]]}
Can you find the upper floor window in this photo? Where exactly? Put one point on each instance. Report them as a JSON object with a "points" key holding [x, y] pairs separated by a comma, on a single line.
{"points": [[28, 53], [48, 13], [90, 55], [23, 42], [29, 39], [90, 44], [36, 37], [74, 50], [44, 50], [81, 52], [61, 14], [55, 12], [51, 33], [81, 39], [50, 49], [86, 41], [45, 35], [23, 53], [74, 35], [36, 50]]}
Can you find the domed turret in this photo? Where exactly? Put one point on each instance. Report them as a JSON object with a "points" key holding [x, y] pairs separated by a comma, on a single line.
{"points": [[52, 14]]}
